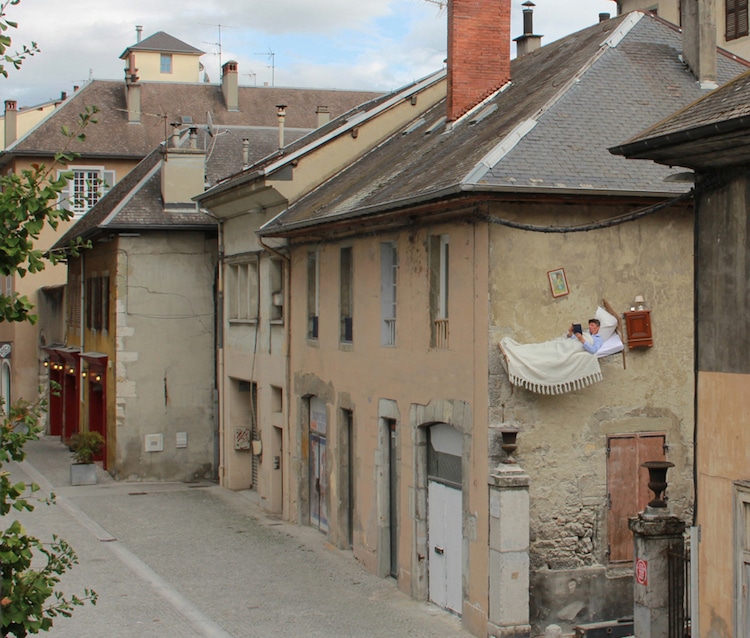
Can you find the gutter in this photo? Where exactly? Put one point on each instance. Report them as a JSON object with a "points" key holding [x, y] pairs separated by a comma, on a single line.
{"points": [[680, 137], [457, 189]]}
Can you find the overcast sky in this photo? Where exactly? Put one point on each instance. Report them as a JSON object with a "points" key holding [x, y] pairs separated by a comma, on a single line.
{"points": [[348, 44]]}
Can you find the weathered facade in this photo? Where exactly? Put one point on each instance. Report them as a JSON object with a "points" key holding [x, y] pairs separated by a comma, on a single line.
{"points": [[711, 138], [409, 267], [254, 300], [137, 363], [132, 119]]}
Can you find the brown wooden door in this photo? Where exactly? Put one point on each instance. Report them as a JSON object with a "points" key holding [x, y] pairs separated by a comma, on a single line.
{"points": [[627, 485]]}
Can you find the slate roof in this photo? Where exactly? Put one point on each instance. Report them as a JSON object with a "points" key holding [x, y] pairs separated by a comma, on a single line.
{"points": [[162, 103], [161, 41], [712, 132], [342, 124], [135, 202], [547, 132]]}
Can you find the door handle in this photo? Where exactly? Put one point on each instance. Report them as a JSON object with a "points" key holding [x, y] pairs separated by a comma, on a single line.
{"points": [[439, 550]]}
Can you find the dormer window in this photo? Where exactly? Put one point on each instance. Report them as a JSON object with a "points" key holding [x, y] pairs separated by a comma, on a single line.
{"points": [[166, 63]]}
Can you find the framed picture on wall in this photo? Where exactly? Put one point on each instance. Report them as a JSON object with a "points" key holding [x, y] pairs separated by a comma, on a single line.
{"points": [[558, 283]]}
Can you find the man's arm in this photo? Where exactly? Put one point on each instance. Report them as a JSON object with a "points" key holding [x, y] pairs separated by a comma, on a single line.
{"points": [[594, 346]]}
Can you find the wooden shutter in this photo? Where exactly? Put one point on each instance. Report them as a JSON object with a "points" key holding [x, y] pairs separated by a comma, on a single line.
{"points": [[627, 485], [736, 13]]}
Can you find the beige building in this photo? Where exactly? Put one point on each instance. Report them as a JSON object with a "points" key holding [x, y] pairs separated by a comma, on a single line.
{"points": [[254, 311], [730, 18], [409, 267], [133, 118]]}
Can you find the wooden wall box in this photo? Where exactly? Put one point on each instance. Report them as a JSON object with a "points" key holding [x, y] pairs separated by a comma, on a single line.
{"points": [[638, 325]]}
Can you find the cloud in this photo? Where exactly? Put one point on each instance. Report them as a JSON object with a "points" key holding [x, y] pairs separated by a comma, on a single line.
{"points": [[378, 44]]}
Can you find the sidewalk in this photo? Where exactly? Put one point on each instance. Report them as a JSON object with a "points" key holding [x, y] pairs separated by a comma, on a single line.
{"points": [[174, 560]]}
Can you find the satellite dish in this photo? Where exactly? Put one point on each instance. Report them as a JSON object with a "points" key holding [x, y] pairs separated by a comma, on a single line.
{"points": [[210, 123]]}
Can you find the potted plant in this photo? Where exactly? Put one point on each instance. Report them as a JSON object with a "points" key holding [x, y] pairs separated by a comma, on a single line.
{"points": [[85, 446]]}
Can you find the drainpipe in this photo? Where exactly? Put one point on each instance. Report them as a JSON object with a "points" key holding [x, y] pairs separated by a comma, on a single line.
{"points": [[288, 373]]}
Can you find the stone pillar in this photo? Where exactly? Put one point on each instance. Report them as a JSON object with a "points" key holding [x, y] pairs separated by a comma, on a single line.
{"points": [[654, 531], [509, 553]]}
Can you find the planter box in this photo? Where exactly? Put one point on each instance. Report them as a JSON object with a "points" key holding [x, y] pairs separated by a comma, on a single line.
{"points": [[83, 474]]}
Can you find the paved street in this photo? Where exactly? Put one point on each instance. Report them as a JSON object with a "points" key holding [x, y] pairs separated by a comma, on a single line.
{"points": [[172, 560]]}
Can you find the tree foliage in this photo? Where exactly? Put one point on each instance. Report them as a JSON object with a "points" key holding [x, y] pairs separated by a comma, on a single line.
{"points": [[30, 569]]}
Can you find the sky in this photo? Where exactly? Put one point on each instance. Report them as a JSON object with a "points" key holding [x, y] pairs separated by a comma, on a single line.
{"points": [[375, 45]]}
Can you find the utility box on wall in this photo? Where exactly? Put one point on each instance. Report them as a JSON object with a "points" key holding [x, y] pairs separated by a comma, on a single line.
{"points": [[241, 438]]}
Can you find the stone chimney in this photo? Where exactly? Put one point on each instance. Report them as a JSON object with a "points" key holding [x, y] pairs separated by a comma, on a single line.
{"points": [[230, 85], [527, 42], [699, 40], [132, 91], [324, 115], [281, 113], [183, 173], [245, 151], [11, 122], [478, 52]]}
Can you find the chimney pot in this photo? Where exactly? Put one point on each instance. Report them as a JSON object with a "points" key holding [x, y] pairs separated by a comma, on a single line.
{"points": [[281, 113], [245, 152], [528, 17], [603, 17], [11, 122], [138, 33]]}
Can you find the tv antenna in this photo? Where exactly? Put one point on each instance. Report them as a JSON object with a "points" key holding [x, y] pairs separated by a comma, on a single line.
{"points": [[218, 44], [272, 58]]}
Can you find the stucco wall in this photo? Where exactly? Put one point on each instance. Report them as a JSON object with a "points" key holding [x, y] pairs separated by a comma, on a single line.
{"points": [[411, 383], [562, 439], [165, 355]]}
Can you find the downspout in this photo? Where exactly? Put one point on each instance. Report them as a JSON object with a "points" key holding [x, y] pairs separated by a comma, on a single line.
{"points": [[288, 368], [83, 349], [218, 447]]}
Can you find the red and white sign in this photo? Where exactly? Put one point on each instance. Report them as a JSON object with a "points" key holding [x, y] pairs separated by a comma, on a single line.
{"points": [[641, 572]]}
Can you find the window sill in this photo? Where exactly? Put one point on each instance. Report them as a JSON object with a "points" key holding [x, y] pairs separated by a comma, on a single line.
{"points": [[243, 321]]}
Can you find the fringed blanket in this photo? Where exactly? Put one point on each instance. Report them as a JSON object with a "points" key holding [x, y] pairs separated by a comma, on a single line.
{"points": [[552, 367]]}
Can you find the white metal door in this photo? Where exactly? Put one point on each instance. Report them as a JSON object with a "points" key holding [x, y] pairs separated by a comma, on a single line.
{"points": [[445, 544]]}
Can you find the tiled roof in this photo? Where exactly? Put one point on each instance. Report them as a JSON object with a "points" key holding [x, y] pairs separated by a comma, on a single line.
{"points": [[161, 41], [547, 132], [135, 202], [344, 122], [163, 103]]}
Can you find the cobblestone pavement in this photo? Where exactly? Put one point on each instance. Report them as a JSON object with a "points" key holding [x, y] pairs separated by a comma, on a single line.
{"points": [[175, 560]]}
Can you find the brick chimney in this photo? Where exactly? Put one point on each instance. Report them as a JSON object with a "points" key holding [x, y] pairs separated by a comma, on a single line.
{"points": [[230, 85], [478, 52], [699, 40], [527, 42], [11, 122], [183, 173]]}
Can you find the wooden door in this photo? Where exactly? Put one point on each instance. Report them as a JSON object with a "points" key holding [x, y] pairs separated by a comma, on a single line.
{"points": [[627, 485]]}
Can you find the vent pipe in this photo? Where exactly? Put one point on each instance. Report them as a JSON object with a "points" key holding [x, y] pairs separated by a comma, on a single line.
{"points": [[138, 33], [527, 42]]}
